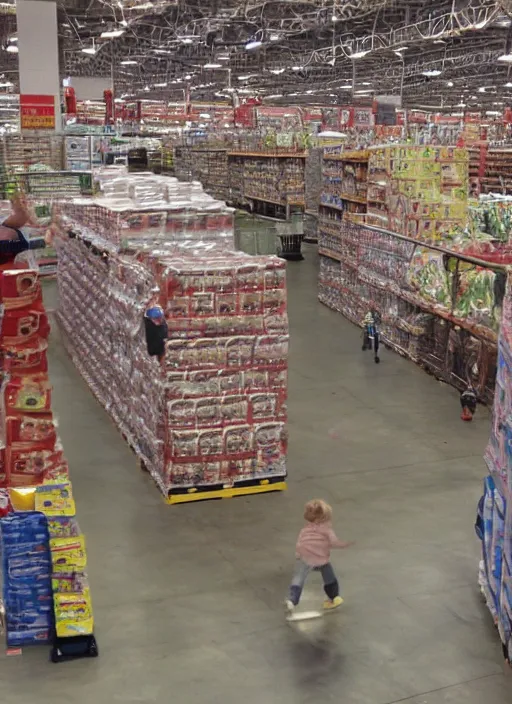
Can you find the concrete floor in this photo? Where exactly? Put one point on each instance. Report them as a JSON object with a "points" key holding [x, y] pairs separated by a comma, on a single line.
{"points": [[188, 599]]}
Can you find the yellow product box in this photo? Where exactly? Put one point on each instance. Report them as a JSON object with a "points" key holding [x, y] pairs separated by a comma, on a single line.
{"points": [[73, 614], [55, 499], [68, 555], [454, 172], [453, 154]]}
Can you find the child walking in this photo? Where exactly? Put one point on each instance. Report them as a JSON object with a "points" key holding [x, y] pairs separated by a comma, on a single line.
{"points": [[313, 553]]}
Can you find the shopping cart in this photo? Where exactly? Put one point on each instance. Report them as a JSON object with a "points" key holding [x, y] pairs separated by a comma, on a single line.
{"points": [[371, 335]]}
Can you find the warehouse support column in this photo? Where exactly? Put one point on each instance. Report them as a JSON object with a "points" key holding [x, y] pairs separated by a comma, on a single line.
{"points": [[38, 47]]}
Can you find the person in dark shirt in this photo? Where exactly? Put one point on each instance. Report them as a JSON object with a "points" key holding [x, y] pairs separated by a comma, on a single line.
{"points": [[157, 331], [12, 239]]}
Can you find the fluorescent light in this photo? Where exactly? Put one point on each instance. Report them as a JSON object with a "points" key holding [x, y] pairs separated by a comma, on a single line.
{"points": [[112, 34], [212, 65], [186, 40], [439, 41], [359, 54], [277, 95], [334, 18], [508, 85], [481, 90], [160, 85], [274, 37], [297, 68], [188, 77], [147, 89], [277, 71], [506, 58], [6, 85], [494, 113], [12, 49], [431, 73], [450, 84], [89, 50], [252, 45], [223, 57], [344, 87], [13, 39], [129, 62], [243, 78]]}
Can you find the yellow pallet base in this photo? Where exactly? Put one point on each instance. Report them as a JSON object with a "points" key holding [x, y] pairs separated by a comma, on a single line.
{"points": [[226, 493]]}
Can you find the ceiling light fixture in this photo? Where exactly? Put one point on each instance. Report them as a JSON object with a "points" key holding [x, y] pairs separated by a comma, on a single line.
{"points": [[129, 62], [277, 71], [212, 65], [252, 45], [450, 84], [87, 50], [160, 85], [508, 85], [432, 73], [334, 18], [506, 58], [297, 68], [359, 54], [112, 34], [481, 90], [274, 37]]}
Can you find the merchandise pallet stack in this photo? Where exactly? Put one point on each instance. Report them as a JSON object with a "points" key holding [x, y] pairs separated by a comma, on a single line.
{"points": [[208, 418], [46, 592]]}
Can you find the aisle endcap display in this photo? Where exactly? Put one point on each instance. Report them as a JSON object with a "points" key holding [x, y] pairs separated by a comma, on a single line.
{"points": [[46, 592]]}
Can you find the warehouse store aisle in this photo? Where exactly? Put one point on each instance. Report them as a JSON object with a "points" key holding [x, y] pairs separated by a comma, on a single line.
{"points": [[188, 599]]}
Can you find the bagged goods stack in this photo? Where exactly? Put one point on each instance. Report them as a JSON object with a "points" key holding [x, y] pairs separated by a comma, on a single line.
{"points": [[149, 208], [211, 415], [34, 480]]}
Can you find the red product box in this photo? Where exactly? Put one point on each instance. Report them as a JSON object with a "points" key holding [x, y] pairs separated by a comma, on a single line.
{"points": [[28, 395], [22, 326], [19, 288], [31, 432], [28, 359]]}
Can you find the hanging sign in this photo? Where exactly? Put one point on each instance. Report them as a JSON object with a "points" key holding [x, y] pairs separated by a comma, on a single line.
{"points": [[37, 112]]}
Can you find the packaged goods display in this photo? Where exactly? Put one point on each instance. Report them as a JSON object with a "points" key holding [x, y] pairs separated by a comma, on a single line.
{"points": [[419, 191], [494, 519], [150, 208], [209, 166], [210, 415], [439, 310], [345, 180], [27, 587], [274, 179], [40, 535]]}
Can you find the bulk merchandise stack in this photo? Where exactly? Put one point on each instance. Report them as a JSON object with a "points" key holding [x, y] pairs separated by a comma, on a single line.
{"points": [[494, 522], [208, 418], [45, 589]]}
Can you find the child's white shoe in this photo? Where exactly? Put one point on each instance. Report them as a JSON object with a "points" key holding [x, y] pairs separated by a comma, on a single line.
{"points": [[334, 603], [290, 606]]}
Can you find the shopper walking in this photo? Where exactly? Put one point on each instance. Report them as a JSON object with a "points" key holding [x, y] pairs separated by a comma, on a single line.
{"points": [[313, 552]]}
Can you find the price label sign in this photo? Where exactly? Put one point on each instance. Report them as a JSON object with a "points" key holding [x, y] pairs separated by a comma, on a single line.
{"points": [[37, 112]]}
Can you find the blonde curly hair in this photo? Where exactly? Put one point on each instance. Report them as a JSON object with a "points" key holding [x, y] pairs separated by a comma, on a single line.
{"points": [[317, 511]]}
